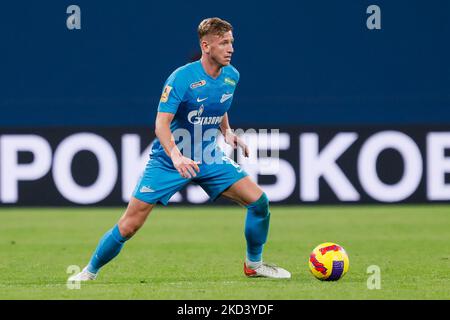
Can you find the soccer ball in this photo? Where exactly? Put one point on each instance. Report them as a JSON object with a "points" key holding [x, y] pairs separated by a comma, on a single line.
{"points": [[328, 261]]}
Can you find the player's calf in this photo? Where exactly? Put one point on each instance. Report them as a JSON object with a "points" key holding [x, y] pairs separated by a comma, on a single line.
{"points": [[112, 241], [134, 217], [108, 248], [257, 227]]}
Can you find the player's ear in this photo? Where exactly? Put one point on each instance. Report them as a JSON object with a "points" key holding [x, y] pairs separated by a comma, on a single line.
{"points": [[204, 45]]}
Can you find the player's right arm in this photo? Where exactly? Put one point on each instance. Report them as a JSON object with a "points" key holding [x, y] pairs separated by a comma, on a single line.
{"points": [[185, 166]]}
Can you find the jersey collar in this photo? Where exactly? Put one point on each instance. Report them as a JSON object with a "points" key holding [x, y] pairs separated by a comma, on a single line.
{"points": [[207, 75]]}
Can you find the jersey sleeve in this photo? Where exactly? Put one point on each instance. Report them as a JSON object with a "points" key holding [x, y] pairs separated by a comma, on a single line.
{"points": [[173, 93], [235, 75]]}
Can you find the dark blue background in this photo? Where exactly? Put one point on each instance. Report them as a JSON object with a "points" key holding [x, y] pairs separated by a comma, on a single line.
{"points": [[301, 62]]}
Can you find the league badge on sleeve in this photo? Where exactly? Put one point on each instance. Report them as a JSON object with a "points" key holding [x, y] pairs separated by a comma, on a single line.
{"points": [[165, 94]]}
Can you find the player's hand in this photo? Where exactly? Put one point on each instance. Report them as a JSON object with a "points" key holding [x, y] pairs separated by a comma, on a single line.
{"points": [[234, 141], [187, 168]]}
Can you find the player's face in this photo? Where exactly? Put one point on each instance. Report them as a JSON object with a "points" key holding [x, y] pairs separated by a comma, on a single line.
{"points": [[221, 48]]}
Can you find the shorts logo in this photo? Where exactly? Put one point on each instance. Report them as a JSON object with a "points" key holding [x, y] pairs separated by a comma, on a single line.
{"points": [[197, 84], [165, 94], [230, 81], [146, 189]]}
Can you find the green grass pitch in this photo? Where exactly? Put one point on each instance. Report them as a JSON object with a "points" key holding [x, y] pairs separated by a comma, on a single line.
{"points": [[197, 253]]}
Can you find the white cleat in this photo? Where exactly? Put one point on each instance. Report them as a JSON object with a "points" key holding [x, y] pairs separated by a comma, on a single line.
{"points": [[84, 275], [267, 271]]}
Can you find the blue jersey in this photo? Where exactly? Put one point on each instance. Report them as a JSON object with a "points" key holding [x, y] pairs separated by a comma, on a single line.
{"points": [[199, 103]]}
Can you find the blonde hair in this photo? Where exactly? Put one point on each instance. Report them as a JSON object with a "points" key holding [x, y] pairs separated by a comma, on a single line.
{"points": [[215, 26]]}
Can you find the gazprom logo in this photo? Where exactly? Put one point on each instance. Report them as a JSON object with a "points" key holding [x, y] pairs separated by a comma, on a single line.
{"points": [[195, 117]]}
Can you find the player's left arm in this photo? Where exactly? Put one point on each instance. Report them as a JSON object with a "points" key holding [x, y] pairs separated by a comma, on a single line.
{"points": [[230, 137]]}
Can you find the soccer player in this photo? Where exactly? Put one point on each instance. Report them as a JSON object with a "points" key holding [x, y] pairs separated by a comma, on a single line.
{"points": [[196, 97]]}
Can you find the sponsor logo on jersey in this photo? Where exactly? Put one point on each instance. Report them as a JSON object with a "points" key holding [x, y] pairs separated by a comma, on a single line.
{"points": [[230, 81], [165, 94], [197, 84], [195, 117]]}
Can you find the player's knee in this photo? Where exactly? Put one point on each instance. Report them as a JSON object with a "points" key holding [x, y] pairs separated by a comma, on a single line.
{"points": [[132, 220], [129, 225], [128, 228]]}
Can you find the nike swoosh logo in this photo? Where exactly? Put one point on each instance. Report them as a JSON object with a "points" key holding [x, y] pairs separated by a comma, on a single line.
{"points": [[225, 97], [200, 100]]}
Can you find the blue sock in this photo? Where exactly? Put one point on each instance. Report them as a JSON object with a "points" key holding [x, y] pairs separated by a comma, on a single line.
{"points": [[257, 227], [108, 247]]}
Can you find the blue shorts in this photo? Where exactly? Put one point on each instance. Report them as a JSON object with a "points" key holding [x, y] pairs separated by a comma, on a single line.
{"points": [[160, 180]]}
